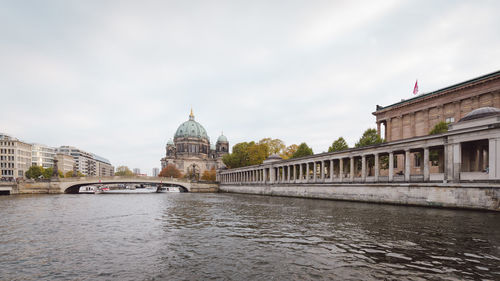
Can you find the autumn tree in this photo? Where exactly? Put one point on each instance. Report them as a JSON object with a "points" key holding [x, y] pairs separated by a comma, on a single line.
{"points": [[275, 146], [170, 171], [370, 137], [302, 150], [338, 145], [289, 151], [246, 154], [209, 175], [123, 171], [439, 128]]}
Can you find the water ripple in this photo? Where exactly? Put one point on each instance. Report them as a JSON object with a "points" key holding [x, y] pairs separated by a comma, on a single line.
{"points": [[240, 237]]}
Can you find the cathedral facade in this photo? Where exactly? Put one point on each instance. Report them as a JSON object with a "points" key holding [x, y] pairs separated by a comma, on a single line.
{"points": [[191, 151]]}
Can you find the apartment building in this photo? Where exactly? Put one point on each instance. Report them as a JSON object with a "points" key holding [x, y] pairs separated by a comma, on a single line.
{"points": [[15, 157]]}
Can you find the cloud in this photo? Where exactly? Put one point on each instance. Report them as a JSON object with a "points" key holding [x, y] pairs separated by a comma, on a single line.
{"points": [[116, 78]]}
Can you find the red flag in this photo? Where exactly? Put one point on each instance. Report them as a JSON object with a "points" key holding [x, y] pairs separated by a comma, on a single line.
{"points": [[415, 89]]}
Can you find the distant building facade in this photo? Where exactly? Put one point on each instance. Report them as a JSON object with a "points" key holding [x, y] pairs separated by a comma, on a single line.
{"points": [[191, 151], [65, 163], [156, 171], [15, 157], [42, 155], [136, 171], [417, 116], [87, 163]]}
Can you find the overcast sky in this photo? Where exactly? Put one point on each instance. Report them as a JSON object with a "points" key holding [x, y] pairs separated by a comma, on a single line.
{"points": [[116, 78]]}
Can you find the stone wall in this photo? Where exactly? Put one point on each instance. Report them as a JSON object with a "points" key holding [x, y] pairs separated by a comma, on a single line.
{"points": [[468, 196]]}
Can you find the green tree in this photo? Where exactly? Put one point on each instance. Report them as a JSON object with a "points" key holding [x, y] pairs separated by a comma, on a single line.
{"points": [[123, 171], [170, 171], [370, 137], [289, 151], [302, 150], [47, 173], [338, 145], [34, 172], [276, 146], [441, 127], [69, 174]]}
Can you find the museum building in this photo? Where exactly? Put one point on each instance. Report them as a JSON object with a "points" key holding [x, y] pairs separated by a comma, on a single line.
{"points": [[191, 150]]}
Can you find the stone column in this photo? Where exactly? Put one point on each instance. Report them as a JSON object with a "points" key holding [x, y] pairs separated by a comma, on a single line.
{"points": [[407, 165], [388, 129], [331, 170], [271, 175], [341, 169], [448, 163], [426, 164], [378, 129], [401, 127], [315, 168], [322, 171], [352, 169], [363, 168], [300, 172], [306, 172], [288, 168], [377, 170], [457, 161], [493, 159], [391, 166], [264, 180]]}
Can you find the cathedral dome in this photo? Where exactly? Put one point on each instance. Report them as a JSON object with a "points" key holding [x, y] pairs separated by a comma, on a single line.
{"points": [[191, 129], [222, 138]]}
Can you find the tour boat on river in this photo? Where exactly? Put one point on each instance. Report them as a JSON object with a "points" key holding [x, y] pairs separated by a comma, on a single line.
{"points": [[90, 189]]}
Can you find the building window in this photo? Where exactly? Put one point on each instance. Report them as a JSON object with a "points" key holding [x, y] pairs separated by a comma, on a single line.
{"points": [[450, 120]]}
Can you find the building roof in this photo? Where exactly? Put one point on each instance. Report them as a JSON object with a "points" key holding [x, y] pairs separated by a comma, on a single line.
{"points": [[191, 129], [440, 91], [480, 113], [222, 138]]}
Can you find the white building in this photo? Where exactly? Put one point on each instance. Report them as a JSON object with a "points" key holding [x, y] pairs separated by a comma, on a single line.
{"points": [[87, 163], [15, 157], [42, 155]]}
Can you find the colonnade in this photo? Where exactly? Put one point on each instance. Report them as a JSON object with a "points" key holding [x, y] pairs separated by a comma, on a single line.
{"points": [[424, 159], [335, 169]]}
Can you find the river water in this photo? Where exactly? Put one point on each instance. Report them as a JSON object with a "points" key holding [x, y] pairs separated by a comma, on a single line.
{"points": [[184, 236]]}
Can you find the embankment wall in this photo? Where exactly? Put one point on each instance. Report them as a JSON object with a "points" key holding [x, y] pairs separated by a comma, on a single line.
{"points": [[467, 196]]}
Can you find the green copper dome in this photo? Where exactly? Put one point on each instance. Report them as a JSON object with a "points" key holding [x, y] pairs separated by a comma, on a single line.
{"points": [[222, 138], [191, 129]]}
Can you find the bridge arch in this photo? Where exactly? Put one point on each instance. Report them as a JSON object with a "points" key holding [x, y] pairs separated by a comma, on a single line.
{"points": [[74, 189], [72, 185]]}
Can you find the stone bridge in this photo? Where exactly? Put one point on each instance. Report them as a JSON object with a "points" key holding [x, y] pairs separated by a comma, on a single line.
{"points": [[72, 185]]}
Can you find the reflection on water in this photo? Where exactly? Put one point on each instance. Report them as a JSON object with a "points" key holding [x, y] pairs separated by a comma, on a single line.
{"points": [[240, 237]]}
